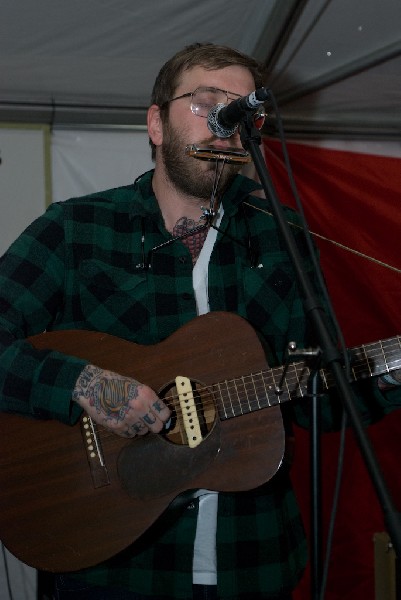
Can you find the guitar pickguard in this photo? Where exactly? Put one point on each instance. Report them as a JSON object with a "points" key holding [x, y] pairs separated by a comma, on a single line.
{"points": [[151, 466]]}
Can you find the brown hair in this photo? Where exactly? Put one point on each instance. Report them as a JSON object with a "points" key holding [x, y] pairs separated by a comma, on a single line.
{"points": [[209, 56]]}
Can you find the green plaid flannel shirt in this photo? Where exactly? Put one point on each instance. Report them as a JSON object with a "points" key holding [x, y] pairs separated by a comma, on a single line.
{"points": [[80, 266]]}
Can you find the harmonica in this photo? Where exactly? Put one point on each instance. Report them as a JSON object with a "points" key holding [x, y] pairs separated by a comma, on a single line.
{"points": [[229, 155]]}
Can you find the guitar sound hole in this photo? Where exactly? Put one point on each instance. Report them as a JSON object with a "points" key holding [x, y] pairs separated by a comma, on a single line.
{"points": [[175, 430]]}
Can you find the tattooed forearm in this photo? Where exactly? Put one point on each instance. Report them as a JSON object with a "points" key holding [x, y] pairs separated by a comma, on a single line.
{"points": [[107, 392]]}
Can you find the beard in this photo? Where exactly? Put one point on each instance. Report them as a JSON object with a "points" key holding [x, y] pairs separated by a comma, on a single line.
{"points": [[192, 176]]}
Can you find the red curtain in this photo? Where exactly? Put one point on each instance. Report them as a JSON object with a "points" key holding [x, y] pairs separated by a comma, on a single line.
{"points": [[352, 204]]}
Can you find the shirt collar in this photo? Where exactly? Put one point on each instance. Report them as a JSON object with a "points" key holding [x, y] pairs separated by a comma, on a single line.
{"points": [[147, 204], [240, 188]]}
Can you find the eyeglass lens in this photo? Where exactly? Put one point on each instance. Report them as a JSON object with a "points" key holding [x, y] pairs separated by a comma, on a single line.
{"points": [[203, 99]]}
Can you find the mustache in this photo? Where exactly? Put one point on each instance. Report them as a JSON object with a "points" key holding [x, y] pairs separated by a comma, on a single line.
{"points": [[210, 141]]}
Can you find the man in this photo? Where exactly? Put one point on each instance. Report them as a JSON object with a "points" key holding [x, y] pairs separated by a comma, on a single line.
{"points": [[139, 262]]}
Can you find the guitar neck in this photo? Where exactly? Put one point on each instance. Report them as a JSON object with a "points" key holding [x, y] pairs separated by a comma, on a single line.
{"points": [[275, 386]]}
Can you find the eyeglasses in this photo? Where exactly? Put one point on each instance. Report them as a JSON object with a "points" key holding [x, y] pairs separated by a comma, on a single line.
{"points": [[203, 99]]}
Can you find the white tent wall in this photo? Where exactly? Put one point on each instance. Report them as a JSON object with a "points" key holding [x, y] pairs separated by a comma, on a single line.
{"points": [[81, 162], [24, 179], [85, 161], [17, 580]]}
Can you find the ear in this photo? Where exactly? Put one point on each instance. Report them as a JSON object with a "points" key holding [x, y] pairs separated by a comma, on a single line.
{"points": [[155, 126]]}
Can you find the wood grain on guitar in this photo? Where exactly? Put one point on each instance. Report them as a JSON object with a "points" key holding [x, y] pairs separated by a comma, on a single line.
{"points": [[74, 496]]}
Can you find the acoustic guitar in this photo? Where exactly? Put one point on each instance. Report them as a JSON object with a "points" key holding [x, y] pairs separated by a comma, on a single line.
{"points": [[73, 496]]}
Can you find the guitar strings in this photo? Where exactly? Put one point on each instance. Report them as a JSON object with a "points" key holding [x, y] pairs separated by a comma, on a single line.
{"points": [[236, 396]]}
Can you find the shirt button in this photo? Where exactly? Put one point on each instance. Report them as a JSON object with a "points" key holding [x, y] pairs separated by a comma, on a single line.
{"points": [[183, 259], [191, 506]]}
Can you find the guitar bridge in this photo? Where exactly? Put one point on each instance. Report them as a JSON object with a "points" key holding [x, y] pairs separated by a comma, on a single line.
{"points": [[188, 410], [97, 466]]}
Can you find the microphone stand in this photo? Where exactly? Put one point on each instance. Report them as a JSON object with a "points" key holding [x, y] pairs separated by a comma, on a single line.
{"points": [[251, 139]]}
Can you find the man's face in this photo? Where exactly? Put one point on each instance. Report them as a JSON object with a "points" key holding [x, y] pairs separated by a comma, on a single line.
{"points": [[190, 175]]}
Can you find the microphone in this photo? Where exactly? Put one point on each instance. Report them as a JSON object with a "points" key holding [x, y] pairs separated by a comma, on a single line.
{"points": [[223, 119]]}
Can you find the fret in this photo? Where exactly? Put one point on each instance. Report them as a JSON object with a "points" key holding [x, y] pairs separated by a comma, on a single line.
{"points": [[325, 378], [247, 407], [364, 349], [267, 387], [236, 398], [391, 353], [376, 358], [224, 406], [297, 369], [251, 398], [362, 362], [286, 391], [384, 355], [259, 390], [276, 381], [255, 389], [294, 368]]}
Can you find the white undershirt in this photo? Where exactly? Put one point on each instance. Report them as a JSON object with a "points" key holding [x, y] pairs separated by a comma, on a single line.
{"points": [[204, 561]]}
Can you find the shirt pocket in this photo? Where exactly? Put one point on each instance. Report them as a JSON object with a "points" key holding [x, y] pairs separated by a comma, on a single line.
{"points": [[114, 300], [268, 292], [273, 277]]}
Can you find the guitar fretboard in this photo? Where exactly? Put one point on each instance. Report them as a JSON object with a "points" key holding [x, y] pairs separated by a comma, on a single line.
{"points": [[272, 387]]}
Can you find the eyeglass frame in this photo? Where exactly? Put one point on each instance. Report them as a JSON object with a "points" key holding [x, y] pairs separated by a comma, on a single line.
{"points": [[202, 87], [212, 89]]}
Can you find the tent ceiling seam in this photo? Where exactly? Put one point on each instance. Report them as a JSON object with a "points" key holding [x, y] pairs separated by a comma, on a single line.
{"points": [[345, 71], [277, 30], [284, 66]]}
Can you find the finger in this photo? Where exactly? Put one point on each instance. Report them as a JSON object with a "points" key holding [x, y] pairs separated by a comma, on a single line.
{"points": [[154, 419], [161, 410], [138, 428]]}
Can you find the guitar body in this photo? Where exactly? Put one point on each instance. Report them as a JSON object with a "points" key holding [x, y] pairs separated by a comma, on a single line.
{"points": [[65, 506]]}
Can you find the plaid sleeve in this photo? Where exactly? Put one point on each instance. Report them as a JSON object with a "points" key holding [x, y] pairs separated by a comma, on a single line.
{"points": [[31, 278]]}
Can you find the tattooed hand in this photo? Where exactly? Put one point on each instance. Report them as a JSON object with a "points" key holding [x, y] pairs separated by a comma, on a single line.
{"points": [[123, 405]]}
